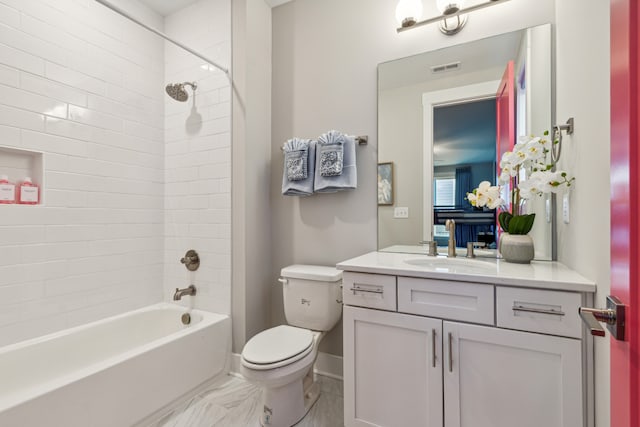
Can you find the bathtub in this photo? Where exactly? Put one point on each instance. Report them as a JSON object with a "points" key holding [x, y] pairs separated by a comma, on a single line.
{"points": [[113, 372]]}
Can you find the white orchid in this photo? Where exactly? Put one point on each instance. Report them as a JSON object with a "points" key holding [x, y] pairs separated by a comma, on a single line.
{"points": [[552, 182], [529, 155], [536, 150], [486, 195]]}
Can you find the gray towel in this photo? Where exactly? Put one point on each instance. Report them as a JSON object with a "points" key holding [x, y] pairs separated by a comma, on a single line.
{"points": [[348, 180], [296, 158], [301, 187], [330, 151]]}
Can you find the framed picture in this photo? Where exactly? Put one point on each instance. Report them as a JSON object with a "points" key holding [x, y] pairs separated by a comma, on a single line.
{"points": [[385, 183]]}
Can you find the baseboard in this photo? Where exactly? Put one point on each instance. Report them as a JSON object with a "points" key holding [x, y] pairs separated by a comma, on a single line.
{"points": [[327, 364], [235, 364]]}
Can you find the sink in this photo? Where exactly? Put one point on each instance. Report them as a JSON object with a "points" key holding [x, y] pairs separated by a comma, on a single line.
{"points": [[452, 265]]}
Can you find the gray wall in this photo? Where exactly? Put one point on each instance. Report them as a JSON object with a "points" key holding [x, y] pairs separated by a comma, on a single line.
{"points": [[251, 231], [582, 92], [325, 55]]}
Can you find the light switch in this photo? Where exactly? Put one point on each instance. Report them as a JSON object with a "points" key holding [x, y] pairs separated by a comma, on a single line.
{"points": [[565, 208], [401, 212]]}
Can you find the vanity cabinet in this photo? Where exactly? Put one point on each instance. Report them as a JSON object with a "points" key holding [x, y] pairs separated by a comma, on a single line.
{"points": [[501, 378], [461, 354], [393, 369]]}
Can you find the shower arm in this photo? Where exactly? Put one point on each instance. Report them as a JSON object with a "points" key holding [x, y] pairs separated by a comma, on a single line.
{"points": [[119, 11]]}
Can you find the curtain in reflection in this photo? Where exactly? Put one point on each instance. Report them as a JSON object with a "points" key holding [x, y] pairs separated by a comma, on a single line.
{"points": [[463, 186], [464, 232]]}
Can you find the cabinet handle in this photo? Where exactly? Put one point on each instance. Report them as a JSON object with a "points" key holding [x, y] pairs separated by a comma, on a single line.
{"points": [[370, 291], [433, 348], [537, 310], [450, 352]]}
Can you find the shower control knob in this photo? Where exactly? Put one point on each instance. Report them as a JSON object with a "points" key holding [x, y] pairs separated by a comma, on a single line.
{"points": [[191, 260]]}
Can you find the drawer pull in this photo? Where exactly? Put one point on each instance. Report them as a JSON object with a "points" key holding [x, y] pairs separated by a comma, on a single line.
{"points": [[537, 310], [370, 291], [450, 352], [433, 347]]}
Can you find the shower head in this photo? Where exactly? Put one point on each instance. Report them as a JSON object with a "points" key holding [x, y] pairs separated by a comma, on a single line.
{"points": [[178, 92]]}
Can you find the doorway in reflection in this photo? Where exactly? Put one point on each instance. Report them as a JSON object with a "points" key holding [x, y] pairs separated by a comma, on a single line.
{"points": [[464, 154]]}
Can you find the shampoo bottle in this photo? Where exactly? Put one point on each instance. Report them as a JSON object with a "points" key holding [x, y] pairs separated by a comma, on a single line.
{"points": [[7, 191], [28, 193]]}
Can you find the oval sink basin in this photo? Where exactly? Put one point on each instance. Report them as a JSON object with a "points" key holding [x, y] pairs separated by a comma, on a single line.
{"points": [[452, 265]]}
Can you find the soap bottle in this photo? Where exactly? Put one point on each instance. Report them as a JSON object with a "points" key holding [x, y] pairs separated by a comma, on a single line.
{"points": [[7, 191], [28, 193]]}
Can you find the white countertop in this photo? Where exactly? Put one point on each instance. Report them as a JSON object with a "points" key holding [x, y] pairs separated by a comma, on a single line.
{"points": [[539, 274]]}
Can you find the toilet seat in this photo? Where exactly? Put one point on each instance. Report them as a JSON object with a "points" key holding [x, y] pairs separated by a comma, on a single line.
{"points": [[277, 347]]}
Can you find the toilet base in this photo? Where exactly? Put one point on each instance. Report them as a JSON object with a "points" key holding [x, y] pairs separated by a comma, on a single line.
{"points": [[287, 405]]}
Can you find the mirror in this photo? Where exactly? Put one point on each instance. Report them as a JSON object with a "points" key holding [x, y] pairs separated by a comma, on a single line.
{"points": [[438, 123]]}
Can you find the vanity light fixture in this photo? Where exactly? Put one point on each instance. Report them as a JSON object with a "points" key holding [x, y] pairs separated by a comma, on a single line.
{"points": [[452, 20]]}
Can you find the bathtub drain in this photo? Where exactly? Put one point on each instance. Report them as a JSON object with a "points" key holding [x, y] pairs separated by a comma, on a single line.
{"points": [[186, 318]]}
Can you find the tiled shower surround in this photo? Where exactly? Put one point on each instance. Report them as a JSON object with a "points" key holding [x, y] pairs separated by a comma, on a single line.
{"points": [[132, 178]]}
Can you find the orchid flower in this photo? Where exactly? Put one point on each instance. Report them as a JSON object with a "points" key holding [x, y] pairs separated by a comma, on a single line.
{"points": [[530, 155]]}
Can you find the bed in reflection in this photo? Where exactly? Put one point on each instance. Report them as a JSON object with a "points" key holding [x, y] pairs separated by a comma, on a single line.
{"points": [[472, 225]]}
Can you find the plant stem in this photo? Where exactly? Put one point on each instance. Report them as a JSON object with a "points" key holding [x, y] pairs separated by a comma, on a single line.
{"points": [[515, 194]]}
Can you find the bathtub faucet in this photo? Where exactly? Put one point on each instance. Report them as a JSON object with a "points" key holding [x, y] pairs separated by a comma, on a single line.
{"points": [[191, 290]]}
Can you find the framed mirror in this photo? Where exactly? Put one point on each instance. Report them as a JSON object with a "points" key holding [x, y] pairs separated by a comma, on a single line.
{"points": [[442, 121]]}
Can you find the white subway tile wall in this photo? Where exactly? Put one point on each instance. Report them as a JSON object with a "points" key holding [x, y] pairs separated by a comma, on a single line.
{"points": [[86, 87], [198, 156]]}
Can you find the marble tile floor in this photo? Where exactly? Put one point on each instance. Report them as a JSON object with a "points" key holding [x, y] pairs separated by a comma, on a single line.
{"points": [[236, 403]]}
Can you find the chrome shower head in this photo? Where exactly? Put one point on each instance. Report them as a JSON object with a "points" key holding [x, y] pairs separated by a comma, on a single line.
{"points": [[178, 92]]}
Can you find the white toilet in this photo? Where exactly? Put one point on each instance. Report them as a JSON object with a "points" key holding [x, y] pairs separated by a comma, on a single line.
{"points": [[281, 359]]}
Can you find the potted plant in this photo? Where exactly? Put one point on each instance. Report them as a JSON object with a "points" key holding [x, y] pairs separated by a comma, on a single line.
{"points": [[529, 175]]}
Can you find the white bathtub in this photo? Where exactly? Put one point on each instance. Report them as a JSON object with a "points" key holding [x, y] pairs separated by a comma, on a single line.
{"points": [[114, 372]]}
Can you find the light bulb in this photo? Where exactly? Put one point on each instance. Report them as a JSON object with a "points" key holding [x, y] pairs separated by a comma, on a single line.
{"points": [[408, 12], [447, 7]]}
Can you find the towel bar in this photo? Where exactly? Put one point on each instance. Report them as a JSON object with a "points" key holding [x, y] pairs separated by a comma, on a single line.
{"points": [[361, 140]]}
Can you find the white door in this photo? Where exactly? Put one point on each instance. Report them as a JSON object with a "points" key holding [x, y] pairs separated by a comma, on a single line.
{"points": [[501, 378], [393, 369]]}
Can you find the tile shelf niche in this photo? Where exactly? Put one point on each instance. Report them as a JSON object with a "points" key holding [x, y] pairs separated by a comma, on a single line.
{"points": [[18, 164]]}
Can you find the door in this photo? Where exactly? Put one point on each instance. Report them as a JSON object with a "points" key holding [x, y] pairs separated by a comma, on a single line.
{"points": [[502, 378], [392, 369], [505, 113], [505, 123], [625, 212]]}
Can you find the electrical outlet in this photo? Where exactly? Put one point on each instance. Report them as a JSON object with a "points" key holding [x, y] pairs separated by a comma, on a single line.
{"points": [[565, 208], [401, 213]]}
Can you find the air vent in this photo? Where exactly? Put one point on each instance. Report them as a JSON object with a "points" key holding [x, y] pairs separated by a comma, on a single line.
{"points": [[443, 68]]}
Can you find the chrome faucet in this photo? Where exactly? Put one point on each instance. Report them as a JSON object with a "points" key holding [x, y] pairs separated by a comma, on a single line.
{"points": [[450, 226], [177, 296]]}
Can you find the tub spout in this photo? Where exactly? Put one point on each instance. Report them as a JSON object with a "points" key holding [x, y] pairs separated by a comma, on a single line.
{"points": [[177, 296]]}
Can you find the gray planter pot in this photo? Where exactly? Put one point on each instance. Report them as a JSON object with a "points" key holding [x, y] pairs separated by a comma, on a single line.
{"points": [[517, 248]]}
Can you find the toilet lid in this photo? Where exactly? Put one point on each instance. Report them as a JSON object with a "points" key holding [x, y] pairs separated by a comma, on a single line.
{"points": [[277, 344]]}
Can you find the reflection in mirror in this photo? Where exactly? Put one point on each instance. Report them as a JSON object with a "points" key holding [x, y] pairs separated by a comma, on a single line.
{"points": [[463, 156], [441, 117]]}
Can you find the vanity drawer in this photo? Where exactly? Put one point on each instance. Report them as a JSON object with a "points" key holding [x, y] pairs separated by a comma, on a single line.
{"points": [[369, 290], [468, 302], [536, 310]]}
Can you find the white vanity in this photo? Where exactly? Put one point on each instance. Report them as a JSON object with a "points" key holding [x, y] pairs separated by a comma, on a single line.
{"points": [[431, 341]]}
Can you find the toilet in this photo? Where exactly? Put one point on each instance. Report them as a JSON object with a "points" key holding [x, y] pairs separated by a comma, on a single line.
{"points": [[280, 359]]}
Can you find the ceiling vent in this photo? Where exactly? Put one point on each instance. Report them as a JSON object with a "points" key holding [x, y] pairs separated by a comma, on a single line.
{"points": [[443, 68]]}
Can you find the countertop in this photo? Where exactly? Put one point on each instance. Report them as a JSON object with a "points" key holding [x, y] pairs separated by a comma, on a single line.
{"points": [[550, 275]]}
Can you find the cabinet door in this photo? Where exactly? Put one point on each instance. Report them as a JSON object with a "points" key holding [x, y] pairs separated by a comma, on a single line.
{"points": [[500, 378], [392, 369]]}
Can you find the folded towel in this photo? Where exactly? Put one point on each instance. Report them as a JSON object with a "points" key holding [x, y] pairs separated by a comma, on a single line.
{"points": [[330, 151], [301, 187], [296, 157], [348, 180]]}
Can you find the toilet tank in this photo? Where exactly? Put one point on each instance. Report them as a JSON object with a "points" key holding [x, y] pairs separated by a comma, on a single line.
{"points": [[312, 296]]}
